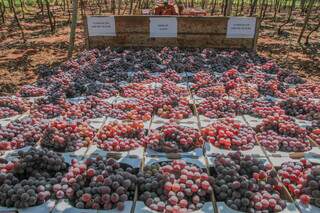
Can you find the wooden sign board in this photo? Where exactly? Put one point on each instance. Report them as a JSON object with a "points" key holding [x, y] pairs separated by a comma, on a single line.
{"points": [[203, 32]]}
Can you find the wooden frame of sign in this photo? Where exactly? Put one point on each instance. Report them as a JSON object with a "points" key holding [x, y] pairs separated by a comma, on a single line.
{"points": [[202, 32]]}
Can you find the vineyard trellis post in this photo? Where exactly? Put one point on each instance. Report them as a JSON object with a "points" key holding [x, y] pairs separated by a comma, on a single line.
{"points": [[73, 27]]}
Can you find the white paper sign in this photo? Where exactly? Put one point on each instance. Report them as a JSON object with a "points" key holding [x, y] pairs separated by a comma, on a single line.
{"points": [[101, 26], [165, 27], [241, 27]]}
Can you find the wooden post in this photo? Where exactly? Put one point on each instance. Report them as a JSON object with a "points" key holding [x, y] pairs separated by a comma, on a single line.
{"points": [[229, 7], [73, 27]]}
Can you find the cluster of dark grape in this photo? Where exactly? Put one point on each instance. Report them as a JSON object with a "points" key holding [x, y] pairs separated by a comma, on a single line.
{"points": [[98, 184], [229, 134], [12, 106], [173, 138], [174, 186], [273, 142], [30, 180], [67, 136], [117, 136], [247, 184], [20, 133], [302, 108], [289, 77]]}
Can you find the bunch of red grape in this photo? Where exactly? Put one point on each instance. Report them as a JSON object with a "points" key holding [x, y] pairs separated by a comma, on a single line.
{"points": [[170, 88], [67, 136], [92, 107], [314, 131], [132, 110], [97, 184], [177, 111], [229, 134], [264, 112], [20, 133], [173, 138], [220, 107], [244, 92], [273, 142], [302, 108], [12, 106], [270, 67], [174, 186], [30, 180], [302, 181], [118, 136], [281, 124], [217, 90], [247, 184], [136, 90], [32, 91], [307, 90], [202, 79], [171, 75], [293, 176]]}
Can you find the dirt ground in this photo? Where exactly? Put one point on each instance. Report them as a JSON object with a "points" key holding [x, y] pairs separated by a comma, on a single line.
{"points": [[19, 60]]}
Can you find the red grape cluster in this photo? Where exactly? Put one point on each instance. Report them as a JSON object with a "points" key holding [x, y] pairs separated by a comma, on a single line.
{"points": [[270, 67], [273, 142], [20, 133], [92, 107], [247, 184], [170, 88], [271, 87], [217, 90], [132, 110], [293, 175], [174, 186], [264, 112], [281, 124], [67, 136], [314, 131], [221, 107], [229, 134], [302, 108], [97, 184], [136, 90], [118, 136], [311, 187], [171, 75], [32, 91], [30, 179], [180, 110], [307, 90], [12, 106], [173, 138], [202, 79], [244, 92]]}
